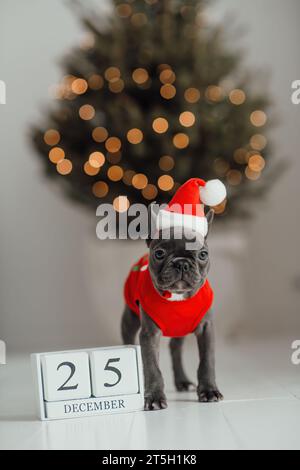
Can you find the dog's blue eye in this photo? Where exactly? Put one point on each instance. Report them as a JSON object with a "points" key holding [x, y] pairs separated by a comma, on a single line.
{"points": [[203, 255], [159, 254]]}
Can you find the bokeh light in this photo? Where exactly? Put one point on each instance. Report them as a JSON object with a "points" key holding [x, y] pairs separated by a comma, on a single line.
{"points": [[258, 142], [112, 74], [95, 82], [127, 178], [150, 192], [139, 181], [237, 97], [96, 159], [134, 136], [86, 112], [100, 189], [166, 163], [168, 91], [90, 170], [187, 119], [115, 173], [117, 86], [99, 134], [214, 93], [64, 167], [167, 76], [140, 76], [221, 166], [121, 204], [181, 140], [252, 175], [113, 144], [56, 154], [165, 182], [52, 137], [160, 125], [240, 156], [192, 95], [258, 118], [256, 163], [234, 177], [79, 86]]}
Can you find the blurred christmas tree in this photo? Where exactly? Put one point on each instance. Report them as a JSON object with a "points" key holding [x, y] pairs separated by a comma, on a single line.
{"points": [[152, 97]]}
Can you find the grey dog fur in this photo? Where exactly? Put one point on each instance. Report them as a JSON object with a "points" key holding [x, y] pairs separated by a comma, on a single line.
{"points": [[150, 333]]}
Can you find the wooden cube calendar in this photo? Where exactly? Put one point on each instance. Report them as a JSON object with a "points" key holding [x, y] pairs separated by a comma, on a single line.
{"points": [[71, 384]]}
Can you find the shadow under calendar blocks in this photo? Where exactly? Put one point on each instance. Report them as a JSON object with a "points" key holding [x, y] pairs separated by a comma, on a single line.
{"points": [[79, 383]]}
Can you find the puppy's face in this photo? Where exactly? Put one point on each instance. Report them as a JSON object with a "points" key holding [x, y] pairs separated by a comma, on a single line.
{"points": [[176, 268]]}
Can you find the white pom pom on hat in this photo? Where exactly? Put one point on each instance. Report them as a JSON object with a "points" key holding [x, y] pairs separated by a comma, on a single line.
{"points": [[213, 193]]}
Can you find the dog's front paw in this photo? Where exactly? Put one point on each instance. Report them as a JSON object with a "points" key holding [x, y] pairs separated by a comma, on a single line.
{"points": [[209, 395], [155, 401], [184, 385]]}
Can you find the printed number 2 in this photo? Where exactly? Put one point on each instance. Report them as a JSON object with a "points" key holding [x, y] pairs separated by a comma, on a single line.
{"points": [[73, 368], [114, 370]]}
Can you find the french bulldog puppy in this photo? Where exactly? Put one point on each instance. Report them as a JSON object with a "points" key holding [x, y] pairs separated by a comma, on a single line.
{"points": [[181, 273]]}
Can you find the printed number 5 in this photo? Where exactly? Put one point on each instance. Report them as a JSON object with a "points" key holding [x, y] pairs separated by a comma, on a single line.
{"points": [[114, 370]]}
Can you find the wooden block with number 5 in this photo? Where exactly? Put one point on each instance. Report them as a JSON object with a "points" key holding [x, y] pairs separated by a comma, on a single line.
{"points": [[114, 371], [66, 376]]}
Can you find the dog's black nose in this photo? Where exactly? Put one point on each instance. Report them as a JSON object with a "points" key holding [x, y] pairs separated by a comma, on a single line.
{"points": [[182, 265]]}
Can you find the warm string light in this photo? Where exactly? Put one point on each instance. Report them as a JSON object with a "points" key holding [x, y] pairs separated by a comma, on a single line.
{"points": [[168, 91], [135, 136], [214, 93], [139, 181], [166, 163], [96, 159], [258, 118], [90, 170], [234, 177], [113, 144], [79, 86], [128, 176], [56, 154], [160, 125], [121, 204], [150, 192], [95, 82], [100, 189], [52, 137], [140, 76], [64, 167], [86, 112], [115, 173], [165, 182], [99, 134], [187, 119], [192, 95], [181, 140], [258, 142], [237, 97]]}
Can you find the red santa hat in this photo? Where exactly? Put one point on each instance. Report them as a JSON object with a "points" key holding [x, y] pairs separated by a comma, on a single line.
{"points": [[186, 209]]}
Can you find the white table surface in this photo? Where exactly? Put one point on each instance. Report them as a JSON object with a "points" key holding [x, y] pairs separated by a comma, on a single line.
{"points": [[261, 408]]}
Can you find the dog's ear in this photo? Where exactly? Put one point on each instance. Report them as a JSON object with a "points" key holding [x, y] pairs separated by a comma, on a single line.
{"points": [[153, 209], [210, 217]]}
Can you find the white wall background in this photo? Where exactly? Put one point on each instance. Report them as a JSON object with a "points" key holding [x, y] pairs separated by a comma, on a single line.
{"points": [[47, 251]]}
